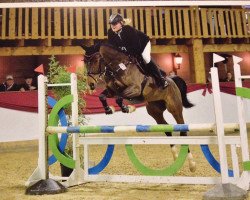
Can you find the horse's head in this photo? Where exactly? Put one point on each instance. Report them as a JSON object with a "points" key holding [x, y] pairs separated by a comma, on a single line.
{"points": [[94, 65]]}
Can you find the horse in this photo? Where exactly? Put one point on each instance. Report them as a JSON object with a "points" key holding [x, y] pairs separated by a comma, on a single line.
{"points": [[125, 79]]}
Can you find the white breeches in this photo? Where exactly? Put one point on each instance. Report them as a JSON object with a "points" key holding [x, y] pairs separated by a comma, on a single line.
{"points": [[146, 53]]}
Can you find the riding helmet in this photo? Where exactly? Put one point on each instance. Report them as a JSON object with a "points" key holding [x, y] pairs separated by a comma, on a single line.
{"points": [[114, 18]]}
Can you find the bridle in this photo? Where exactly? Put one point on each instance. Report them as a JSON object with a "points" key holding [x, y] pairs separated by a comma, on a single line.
{"points": [[91, 73]]}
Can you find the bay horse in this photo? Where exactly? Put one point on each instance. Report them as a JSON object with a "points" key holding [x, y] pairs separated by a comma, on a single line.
{"points": [[124, 80]]}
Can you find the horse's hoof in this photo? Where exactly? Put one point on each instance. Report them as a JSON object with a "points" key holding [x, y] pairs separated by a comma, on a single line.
{"points": [[192, 166], [112, 108], [175, 156], [125, 109], [131, 108], [174, 152], [109, 110]]}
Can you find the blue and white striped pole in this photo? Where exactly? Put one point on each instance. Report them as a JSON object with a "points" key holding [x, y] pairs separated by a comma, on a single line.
{"points": [[211, 127]]}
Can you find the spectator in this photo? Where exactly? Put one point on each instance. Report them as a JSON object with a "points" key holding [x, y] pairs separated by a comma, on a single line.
{"points": [[28, 84], [229, 77], [172, 74], [9, 85]]}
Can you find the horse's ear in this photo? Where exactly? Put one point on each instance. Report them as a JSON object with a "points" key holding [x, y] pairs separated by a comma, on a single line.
{"points": [[86, 48], [97, 46]]}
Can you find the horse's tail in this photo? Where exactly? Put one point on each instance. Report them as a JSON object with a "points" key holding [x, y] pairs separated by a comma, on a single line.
{"points": [[181, 84]]}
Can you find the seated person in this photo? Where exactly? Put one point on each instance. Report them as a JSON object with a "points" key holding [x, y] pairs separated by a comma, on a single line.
{"points": [[229, 77], [9, 85], [28, 84]]}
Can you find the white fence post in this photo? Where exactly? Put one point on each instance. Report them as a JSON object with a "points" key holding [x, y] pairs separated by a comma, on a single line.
{"points": [[219, 125], [242, 123]]}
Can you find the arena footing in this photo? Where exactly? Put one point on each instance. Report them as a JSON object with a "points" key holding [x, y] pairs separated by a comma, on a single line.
{"points": [[227, 191]]}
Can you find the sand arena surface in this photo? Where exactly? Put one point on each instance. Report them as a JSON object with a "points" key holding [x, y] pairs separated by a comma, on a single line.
{"points": [[18, 161]]}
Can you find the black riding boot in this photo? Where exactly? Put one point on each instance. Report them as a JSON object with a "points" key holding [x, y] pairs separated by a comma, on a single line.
{"points": [[160, 80]]}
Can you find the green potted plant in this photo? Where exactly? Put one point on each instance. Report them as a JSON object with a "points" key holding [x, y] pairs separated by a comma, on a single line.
{"points": [[58, 74]]}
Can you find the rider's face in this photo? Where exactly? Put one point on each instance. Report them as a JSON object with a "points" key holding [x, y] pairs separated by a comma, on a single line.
{"points": [[116, 27]]}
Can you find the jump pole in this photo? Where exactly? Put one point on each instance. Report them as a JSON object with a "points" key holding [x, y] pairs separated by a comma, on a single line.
{"points": [[209, 127]]}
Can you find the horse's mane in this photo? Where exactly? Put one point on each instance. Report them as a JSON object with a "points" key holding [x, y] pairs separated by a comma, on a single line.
{"points": [[90, 50], [113, 47]]}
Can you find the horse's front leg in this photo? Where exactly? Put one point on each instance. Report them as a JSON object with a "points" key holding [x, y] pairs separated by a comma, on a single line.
{"points": [[124, 108], [103, 98]]}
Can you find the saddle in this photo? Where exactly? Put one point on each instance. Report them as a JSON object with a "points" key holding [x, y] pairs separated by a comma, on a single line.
{"points": [[143, 67]]}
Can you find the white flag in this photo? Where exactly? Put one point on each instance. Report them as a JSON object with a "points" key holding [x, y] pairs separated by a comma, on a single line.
{"points": [[217, 58], [236, 59]]}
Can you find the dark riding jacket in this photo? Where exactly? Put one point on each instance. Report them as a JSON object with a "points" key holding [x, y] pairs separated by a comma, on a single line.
{"points": [[4, 87], [129, 40]]}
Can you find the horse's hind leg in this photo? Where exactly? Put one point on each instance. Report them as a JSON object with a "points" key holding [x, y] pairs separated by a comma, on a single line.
{"points": [[155, 110], [177, 114]]}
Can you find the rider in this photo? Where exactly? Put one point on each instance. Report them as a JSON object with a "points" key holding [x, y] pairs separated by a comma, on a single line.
{"points": [[135, 43]]}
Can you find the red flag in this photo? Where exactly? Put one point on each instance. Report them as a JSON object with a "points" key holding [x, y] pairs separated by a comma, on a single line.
{"points": [[206, 88], [40, 69], [71, 69]]}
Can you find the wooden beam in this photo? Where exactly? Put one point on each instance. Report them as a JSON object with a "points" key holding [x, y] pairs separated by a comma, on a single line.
{"points": [[169, 49], [100, 22], [142, 28], [161, 22], [186, 23], [197, 64], [148, 23], [155, 23], [3, 24], [49, 26], [87, 25], [168, 23], [71, 23], [226, 47], [42, 23], [12, 23], [222, 24], [20, 23], [136, 18], [72, 50], [34, 25], [65, 22], [57, 23], [204, 23], [93, 23], [79, 30], [28, 51], [179, 15], [27, 24]]}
